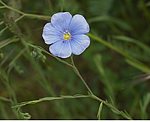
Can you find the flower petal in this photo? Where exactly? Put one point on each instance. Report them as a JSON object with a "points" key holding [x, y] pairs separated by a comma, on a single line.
{"points": [[79, 25], [61, 21], [79, 43], [50, 34], [61, 49]]}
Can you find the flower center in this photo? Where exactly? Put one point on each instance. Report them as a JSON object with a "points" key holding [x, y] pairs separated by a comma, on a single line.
{"points": [[67, 36]]}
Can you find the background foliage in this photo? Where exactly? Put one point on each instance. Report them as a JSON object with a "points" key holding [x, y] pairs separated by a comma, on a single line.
{"points": [[116, 66]]}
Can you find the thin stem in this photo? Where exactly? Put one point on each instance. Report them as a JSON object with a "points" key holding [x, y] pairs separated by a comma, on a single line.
{"points": [[114, 109], [99, 111], [5, 99], [2, 7], [49, 99], [43, 17], [3, 30], [13, 9], [78, 73], [25, 14], [91, 95], [12, 95], [19, 18], [2, 22]]}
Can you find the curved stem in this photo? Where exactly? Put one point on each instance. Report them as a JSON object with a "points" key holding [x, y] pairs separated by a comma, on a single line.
{"points": [[113, 108], [78, 73], [49, 99], [91, 95], [97, 98]]}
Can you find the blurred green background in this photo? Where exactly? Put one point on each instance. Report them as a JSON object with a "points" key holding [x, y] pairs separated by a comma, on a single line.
{"points": [[116, 66]]}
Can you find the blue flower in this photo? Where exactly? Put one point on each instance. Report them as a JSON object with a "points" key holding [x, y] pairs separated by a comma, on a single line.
{"points": [[66, 34]]}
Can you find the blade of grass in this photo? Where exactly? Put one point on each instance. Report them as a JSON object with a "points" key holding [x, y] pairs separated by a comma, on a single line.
{"points": [[130, 60], [104, 77], [99, 111], [138, 65], [7, 42], [144, 105], [138, 43]]}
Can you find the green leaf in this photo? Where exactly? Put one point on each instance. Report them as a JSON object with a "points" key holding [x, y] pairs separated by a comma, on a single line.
{"points": [[134, 41]]}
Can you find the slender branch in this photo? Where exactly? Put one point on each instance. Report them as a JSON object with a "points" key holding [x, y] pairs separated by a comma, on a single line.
{"points": [[114, 109], [99, 111], [13, 9], [3, 30], [2, 22], [2, 7], [18, 106], [19, 18], [49, 99], [80, 76], [7, 42], [43, 17], [5, 99], [91, 95]]}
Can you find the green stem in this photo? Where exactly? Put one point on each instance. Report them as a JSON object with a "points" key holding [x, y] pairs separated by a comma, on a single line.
{"points": [[78, 73], [114, 109], [91, 95], [2, 7], [49, 99], [2, 22], [34, 16], [23, 13], [13, 9]]}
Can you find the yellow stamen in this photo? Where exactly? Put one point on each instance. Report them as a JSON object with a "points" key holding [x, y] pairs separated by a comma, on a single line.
{"points": [[67, 36]]}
